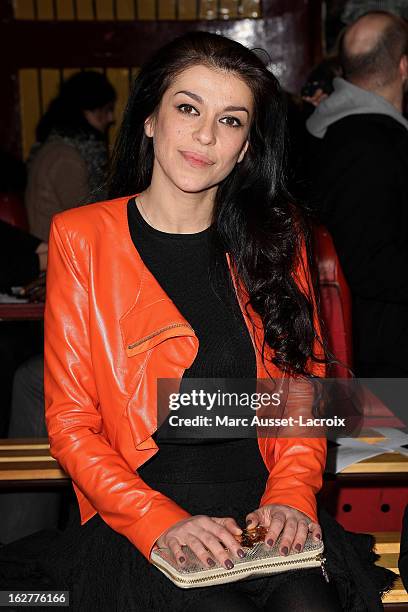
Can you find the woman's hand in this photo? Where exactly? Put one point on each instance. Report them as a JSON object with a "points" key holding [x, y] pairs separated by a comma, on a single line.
{"points": [[207, 536], [294, 524], [316, 98]]}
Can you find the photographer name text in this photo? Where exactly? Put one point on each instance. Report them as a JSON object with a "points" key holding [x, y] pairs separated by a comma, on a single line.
{"points": [[255, 421]]}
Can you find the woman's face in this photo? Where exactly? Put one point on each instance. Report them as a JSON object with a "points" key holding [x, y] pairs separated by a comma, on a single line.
{"points": [[101, 118], [200, 131]]}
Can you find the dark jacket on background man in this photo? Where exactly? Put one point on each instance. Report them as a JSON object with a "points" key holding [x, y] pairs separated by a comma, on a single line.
{"points": [[359, 160]]}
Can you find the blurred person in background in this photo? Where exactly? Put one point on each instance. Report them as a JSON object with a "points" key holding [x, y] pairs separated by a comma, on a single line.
{"points": [[360, 177], [66, 168], [67, 164], [25, 512], [23, 259], [317, 87]]}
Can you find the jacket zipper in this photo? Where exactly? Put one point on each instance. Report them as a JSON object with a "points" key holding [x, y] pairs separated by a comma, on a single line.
{"points": [[236, 572], [157, 333]]}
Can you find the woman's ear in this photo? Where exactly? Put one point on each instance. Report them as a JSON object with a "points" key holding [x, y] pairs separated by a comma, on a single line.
{"points": [[149, 126], [243, 151]]}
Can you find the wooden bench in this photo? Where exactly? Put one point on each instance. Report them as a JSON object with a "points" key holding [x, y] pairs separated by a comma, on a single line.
{"points": [[389, 464], [388, 546], [28, 461]]}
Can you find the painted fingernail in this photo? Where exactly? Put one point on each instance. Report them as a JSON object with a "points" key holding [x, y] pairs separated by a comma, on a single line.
{"points": [[210, 562], [298, 547], [285, 550], [182, 559], [270, 542], [318, 536], [240, 553], [249, 521], [229, 564]]}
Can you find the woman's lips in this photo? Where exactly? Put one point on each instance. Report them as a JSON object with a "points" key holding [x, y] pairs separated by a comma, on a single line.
{"points": [[196, 160]]}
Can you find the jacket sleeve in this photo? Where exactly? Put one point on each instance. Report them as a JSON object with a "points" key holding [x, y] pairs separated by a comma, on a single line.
{"points": [[298, 463], [74, 423]]}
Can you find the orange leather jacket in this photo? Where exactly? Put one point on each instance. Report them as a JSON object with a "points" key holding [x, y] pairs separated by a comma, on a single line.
{"points": [[110, 332]]}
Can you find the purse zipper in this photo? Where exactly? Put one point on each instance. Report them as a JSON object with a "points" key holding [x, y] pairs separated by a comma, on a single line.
{"points": [[157, 333], [323, 566], [236, 572]]}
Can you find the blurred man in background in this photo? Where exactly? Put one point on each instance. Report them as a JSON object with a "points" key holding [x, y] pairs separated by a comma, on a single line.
{"points": [[360, 175]]}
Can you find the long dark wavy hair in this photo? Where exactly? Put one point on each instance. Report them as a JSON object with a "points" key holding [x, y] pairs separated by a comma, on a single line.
{"points": [[256, 221]]}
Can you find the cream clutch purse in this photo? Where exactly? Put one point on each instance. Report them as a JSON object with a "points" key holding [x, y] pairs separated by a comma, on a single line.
{"points": [[260, 560]]}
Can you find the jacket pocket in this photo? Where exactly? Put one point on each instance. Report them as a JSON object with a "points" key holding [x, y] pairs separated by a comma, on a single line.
{"points": [[142, 329]]}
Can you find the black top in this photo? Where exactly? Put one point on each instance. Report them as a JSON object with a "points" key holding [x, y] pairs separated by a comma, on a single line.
{"points": [[193, 271]]}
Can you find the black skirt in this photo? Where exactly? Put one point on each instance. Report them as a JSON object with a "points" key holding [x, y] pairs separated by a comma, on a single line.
{"points": [[104, 572]]}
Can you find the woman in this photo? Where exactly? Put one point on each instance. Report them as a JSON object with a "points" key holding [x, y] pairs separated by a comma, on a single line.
{"points": [[68, 162], [140, 289]]}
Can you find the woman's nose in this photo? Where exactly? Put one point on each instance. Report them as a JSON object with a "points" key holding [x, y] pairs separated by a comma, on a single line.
{"points": [[205, 132]]}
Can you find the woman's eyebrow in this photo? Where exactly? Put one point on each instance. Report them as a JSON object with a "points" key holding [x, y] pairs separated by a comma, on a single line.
{"points": [[237, 108], [198, 99], [191, 95]]}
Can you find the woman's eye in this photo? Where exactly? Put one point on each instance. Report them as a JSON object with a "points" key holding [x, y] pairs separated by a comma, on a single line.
{"points": [[187, 109], [231, 121]]}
